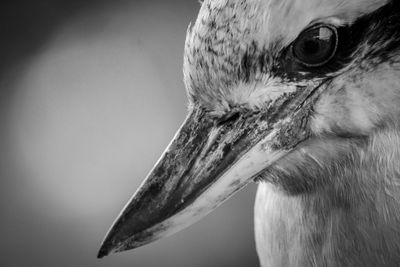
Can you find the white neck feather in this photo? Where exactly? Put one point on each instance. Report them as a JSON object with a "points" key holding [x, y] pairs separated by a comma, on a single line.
{"points": [[356, 224]]}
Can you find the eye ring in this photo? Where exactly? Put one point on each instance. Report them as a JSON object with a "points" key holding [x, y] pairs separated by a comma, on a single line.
{"points": [[307, 37]]}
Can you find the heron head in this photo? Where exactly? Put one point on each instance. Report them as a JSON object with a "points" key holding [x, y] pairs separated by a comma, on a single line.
{"points": [[275, 89]]}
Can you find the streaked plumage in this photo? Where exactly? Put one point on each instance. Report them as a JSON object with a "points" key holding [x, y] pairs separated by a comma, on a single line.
{"points": [[324, 142]]}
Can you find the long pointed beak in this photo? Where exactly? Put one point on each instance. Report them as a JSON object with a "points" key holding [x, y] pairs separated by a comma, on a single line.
{"points": [[206, 163]]}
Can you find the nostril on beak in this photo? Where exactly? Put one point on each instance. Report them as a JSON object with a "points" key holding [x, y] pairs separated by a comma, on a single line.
{"points": [[230, 117]]}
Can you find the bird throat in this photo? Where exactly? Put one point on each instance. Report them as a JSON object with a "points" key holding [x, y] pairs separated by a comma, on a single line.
{"points": [[352, 220]]}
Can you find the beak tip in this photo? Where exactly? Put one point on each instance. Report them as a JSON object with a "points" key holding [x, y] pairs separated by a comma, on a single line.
{"points": [[114, 243], [108, 247], [102, 252], [105, 250]]}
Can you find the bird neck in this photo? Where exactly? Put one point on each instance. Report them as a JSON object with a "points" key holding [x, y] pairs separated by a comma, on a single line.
{"points": [[351, 220]]}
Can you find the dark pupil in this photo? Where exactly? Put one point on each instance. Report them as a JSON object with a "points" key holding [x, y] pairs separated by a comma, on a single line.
{"points": [[311, 47], [315, 46]]}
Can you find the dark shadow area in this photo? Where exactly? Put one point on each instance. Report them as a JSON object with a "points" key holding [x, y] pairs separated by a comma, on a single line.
{"points": [[25, 26]]}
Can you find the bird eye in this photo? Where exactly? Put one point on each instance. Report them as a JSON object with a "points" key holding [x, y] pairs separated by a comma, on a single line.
{"points": [[316, 46]]}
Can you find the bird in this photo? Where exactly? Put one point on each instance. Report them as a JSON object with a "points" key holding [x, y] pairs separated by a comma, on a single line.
{"points": [[303, 98]]}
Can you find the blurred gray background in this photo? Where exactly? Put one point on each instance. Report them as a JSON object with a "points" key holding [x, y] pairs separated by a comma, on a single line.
{"points": [[91, 93]]}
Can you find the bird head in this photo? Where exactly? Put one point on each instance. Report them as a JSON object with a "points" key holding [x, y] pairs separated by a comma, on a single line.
{"points": [[278, 90]]}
